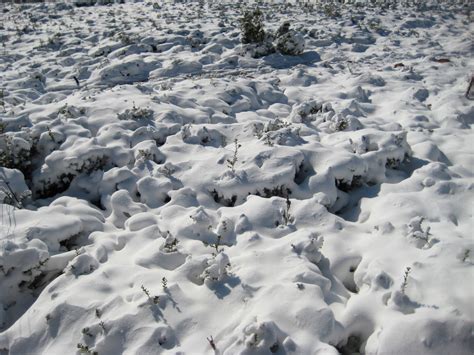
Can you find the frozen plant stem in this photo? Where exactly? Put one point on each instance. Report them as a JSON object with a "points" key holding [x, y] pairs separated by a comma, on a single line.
{"points": [[2, 99], [231, 162], [468, 91], [287, 218], [51, 134], [405, 279], [287, 212], [216, 245], [467, 252], [211, 342], [145, 290], [98, 314], [102, 325], [153, 300]]}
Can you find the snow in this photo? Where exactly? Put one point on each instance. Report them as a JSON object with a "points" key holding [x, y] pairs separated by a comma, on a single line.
{"points": [[168, 189]]}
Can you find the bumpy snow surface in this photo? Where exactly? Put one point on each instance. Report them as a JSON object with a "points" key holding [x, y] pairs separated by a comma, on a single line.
{"points": [[167, 189]]}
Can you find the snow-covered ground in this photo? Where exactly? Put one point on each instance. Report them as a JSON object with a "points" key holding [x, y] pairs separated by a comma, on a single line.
{"points": [[167, 189]]}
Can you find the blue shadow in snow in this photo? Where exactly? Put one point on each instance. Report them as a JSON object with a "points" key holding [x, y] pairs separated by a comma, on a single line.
{"points": [[280, 61], [222, 289]]}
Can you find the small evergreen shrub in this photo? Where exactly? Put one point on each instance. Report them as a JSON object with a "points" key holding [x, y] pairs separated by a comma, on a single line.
{"points": [[251, 25]]}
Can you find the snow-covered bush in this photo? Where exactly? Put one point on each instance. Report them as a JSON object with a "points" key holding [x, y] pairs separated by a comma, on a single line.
{"points": [[288, 41], [147, 150], [312, 248], [193, 134], [15, 151], [56, 177], [123, 122], [81, 3], [20, 265], [216, 269], [13, 189], [255, 40], [196, 39], [310, 111], [136, 113], [419, 235], [339, 123], [82, 265], [251, 25], [262, 337]]}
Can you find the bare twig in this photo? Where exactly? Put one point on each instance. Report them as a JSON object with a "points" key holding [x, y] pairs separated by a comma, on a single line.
{"points": [[405, 279], [468, 91], [11, 193], [211, 342]]}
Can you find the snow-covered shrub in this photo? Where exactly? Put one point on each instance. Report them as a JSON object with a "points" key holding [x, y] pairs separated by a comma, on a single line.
{"points": [[196, 39], [264, 337], [159, 133], [15, 151], [261, 129], [310, 111], [170, 244], [123, 207], [331, 10], [251, 26], [421, 237], [147, 150], [82, 265], [277, 132], [136, 113], [20, 265], [26, 267], [257, 50], [80, 3], [339, 123], [208, 270], [288, 41], [256, 42], [71, 111], [13, 189], [154, 190], [57, 176], [193, 134], [216, 269], [312, 248], [309, 245]]}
